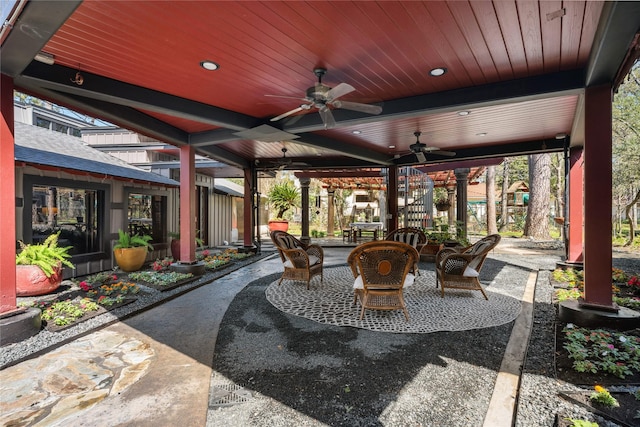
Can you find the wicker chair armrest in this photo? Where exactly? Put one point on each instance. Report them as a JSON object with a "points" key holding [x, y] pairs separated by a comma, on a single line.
{"points": [[298, 257], [455, 263], [316, 250], [443, 253]]}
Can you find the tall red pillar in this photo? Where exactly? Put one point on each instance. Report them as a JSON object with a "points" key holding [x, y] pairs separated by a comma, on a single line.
{"points": [[187, 205], [576, 208], [7, 198], [597, 198]]}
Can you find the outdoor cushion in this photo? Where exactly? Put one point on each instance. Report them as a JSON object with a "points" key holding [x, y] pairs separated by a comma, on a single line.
{"points": [[313, 260], [408, 238], [470, 272], [287, 241], [408, 281]]}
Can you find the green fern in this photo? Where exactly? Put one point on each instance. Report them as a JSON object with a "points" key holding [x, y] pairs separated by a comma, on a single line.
{"points": [[47, 255], [126, 240]]}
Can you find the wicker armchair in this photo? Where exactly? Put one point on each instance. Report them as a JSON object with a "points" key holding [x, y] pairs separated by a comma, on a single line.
{"points": [[301, 262], [381, 270], [460, 268], [412, 236]]}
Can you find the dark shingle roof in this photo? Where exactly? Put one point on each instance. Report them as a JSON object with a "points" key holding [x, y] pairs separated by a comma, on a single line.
{"points": [[44, 147]]}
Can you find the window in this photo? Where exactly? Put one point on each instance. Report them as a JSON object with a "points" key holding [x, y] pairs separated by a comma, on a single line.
{"points": [[73, 212], [147, 215], [58, 127], [43, 123]]}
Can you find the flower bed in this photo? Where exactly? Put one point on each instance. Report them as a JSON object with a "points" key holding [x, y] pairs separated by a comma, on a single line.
{"points": [[58, 315], [162, 281], [600, 351], [600, 356], [625, 287], [220, 260], [618, 406]]}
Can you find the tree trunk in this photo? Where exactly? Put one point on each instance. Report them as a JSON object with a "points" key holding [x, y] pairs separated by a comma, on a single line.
{"points": [[537, 223], [631, 218], [560, 202], [504, 209], [492, 227]]}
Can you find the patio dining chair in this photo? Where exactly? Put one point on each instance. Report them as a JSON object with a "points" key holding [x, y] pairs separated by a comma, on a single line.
{"points": [[412, 236], [381, 270], [301, 262], [460, 268]]}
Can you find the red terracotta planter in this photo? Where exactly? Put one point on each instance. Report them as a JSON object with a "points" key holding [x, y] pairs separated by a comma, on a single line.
{"points": [[278, 225], [31, 281]]}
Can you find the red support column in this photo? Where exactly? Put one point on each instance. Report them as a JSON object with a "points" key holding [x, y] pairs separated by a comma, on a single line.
{"points": [[576, 209], [597, 198], [247, 209], [7, 198], [187, 205]]}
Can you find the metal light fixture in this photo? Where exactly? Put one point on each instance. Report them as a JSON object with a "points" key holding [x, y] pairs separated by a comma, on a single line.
{"points": [[209, 65], [45, 58], [437, 72]]}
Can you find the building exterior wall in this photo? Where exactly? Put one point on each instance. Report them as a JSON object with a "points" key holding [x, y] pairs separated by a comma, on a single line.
{"points": [[115, 212]]}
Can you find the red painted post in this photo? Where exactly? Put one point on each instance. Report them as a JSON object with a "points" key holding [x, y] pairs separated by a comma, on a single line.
{"points": [[597, 197], [187, 204], [7, 198], [576, 209]]}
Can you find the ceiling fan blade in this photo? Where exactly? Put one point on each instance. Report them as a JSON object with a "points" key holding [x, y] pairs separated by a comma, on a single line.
{"points": [[444, 153], [338, 91], [421, 157], [287, 114], [357, 106], [407, 159], [327, 117], [285, 96]]}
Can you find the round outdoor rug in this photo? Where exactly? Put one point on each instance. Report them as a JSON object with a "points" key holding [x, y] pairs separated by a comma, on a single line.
{"points": [[332, 303]]}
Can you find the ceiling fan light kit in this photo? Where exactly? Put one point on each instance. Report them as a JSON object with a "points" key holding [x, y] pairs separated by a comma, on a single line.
{"points": [[322, 97]]}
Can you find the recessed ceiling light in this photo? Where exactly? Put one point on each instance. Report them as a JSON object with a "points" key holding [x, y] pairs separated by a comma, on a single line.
{"points": [[356, 132], [209, 65], [481, 134], [436, 72], [392, 146], [464, 113]]}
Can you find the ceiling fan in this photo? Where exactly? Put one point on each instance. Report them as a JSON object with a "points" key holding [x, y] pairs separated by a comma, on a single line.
{"points": [[419, 150], [322, 97], [284, 162]]}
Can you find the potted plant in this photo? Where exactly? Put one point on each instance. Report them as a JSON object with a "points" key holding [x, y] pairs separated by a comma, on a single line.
{"points": [[282, 197], [39, 266], [175, 244], [441, 199], [130, 251]]}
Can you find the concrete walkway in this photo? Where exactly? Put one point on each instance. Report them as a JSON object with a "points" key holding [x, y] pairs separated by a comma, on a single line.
{"points": [[154, 369]]}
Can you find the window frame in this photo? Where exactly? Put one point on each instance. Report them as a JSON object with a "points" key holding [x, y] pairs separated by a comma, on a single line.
{"points": [[103, 194]]}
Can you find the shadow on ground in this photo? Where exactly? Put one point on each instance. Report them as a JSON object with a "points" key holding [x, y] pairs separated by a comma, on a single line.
{"points": [[355, 377]]}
